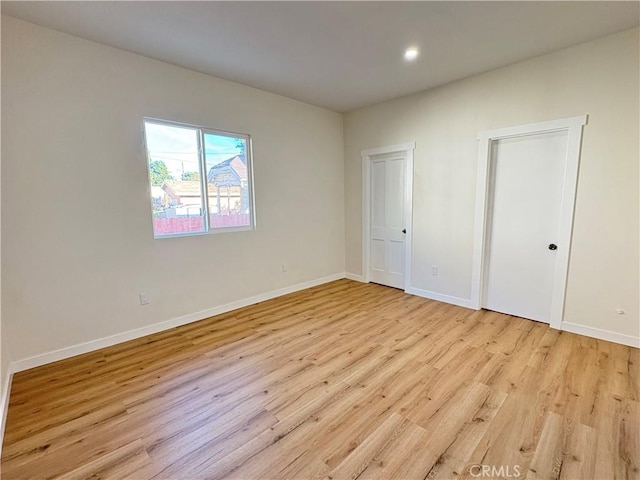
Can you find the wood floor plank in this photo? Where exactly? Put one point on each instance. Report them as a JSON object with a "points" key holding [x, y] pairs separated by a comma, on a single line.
{"points": [[455, 457], [513, 435], [358, 460], [403, 457], [343, 380], [123, 463], [548, 458], [580, 454]]}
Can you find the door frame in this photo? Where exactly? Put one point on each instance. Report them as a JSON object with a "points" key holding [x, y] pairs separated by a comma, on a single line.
{"points": [[573, 127], [406, 149]]}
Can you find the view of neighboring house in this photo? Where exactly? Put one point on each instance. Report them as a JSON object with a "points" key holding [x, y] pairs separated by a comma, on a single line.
{"points": [[227, 185], [181, 197], [229, 180]]}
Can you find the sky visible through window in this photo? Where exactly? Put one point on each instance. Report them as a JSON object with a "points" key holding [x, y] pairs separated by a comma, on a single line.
{"points": [[177, 147]]}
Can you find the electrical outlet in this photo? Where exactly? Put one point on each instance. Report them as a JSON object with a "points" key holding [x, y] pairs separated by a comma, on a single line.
{"points": [[144, 298], [283, 268], [434, 270]]}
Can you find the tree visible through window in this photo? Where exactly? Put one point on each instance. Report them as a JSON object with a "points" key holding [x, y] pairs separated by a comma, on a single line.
{"points": [[200, 179]]}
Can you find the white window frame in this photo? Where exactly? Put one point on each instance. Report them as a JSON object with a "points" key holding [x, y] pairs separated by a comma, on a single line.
{"points": [[201, 131]]}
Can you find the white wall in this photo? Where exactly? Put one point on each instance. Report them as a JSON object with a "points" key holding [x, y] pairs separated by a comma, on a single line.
{"points": [[77, 243], [598, 78], [5, 359]]}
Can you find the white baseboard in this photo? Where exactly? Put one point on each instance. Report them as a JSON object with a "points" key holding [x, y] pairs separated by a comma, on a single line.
{"points": [[72, 351], [4, 404], [601, 334], [461, 302], [354, 277]]}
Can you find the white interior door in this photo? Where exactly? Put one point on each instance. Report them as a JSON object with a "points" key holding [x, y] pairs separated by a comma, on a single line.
{"points": [[387, 231], [525, 195]]}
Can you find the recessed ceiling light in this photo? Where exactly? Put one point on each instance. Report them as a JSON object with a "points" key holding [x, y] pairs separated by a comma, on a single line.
{"points": [[411, 54]]}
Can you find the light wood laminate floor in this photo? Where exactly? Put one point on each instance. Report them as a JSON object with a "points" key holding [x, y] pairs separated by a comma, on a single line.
{"points": [[345, 380]]}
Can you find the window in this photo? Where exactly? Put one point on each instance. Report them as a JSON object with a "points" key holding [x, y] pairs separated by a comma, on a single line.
{"points": [[200, 178]]}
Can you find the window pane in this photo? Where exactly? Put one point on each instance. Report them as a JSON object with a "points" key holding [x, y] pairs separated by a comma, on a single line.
{"points": [[174, 173], [226, 164]]}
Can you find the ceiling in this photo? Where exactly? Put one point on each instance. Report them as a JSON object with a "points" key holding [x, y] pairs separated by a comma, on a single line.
{"points": [[338, 55]]}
